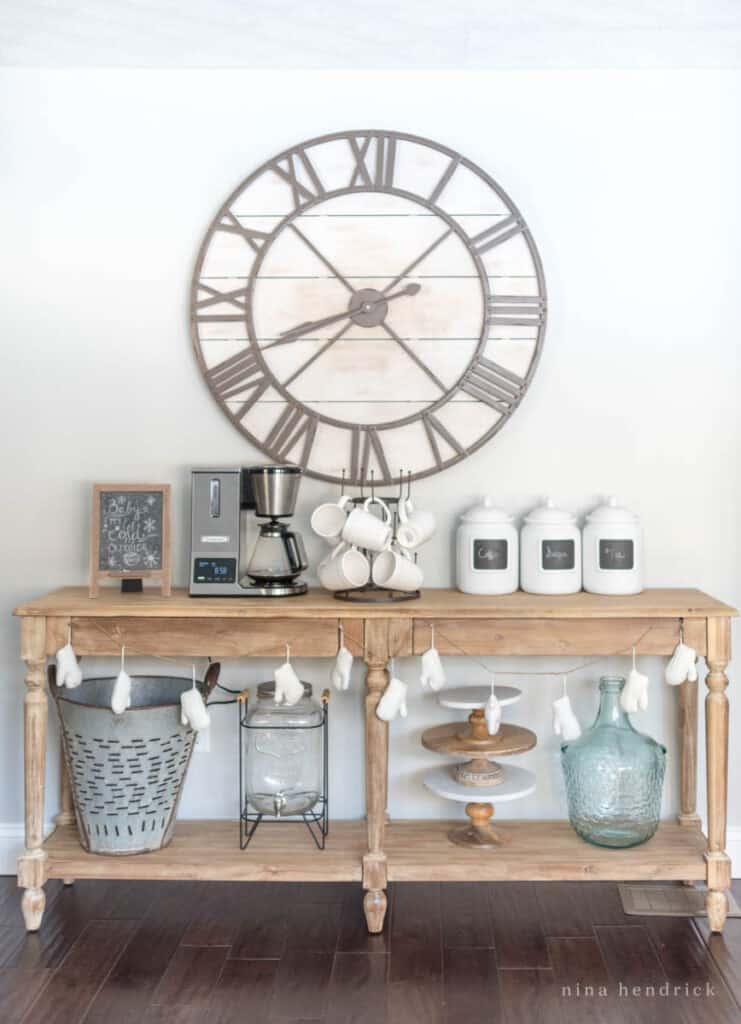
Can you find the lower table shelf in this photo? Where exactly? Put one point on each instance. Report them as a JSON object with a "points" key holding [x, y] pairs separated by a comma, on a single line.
{"points": [[416, 851]]}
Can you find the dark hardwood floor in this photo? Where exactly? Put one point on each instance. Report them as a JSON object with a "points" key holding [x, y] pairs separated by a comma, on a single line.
{"points": [[474, 953]]}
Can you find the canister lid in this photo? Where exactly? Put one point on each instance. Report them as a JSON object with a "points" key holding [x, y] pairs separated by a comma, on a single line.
{"points": [[611, 512], [548, 513], [486, 512]]}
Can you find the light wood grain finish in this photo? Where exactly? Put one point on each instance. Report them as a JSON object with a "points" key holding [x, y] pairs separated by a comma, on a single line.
{"points": [[31, 865], [376, 772], [668, 603], [554, 637], [416, 851], [716, 743], [219, 638], [453, 738], [688, 754]]}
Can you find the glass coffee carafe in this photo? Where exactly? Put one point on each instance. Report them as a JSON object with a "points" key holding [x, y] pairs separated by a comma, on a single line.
{"points": [[614, 776]]}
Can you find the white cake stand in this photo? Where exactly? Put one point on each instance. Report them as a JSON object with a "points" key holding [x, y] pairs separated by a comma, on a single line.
{"points": [[469, 698], [517, 782]]}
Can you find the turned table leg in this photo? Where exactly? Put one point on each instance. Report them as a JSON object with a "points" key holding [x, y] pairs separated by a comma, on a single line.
{"points": [[716, 742], [32, 862], [688, 755], [376, 769]]}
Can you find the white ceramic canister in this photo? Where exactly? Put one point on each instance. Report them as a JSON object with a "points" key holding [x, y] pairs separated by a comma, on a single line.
{"points": [[550, 551], [612, 550], [487, 551]]}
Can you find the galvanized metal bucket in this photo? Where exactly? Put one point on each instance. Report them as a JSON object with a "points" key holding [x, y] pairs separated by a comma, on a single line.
{"points": [[126, 771]]}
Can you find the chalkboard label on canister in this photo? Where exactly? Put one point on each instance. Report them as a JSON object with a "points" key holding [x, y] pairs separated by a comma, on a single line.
{"points": [[131, 526], [490, 555], [558, 555], [616, 554]]}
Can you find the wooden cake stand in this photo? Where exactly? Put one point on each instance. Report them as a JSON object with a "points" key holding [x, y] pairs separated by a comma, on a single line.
{"points": [[478, 780]]}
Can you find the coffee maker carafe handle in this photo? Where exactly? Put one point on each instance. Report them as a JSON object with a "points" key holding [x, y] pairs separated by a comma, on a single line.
{"points": [[296, 552]]}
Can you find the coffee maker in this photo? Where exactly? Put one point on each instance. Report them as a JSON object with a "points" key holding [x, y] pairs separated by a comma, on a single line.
{"points": [[219, 563]]}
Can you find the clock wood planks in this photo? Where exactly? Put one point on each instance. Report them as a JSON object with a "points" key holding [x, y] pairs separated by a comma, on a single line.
{"points": [[368, 301]]}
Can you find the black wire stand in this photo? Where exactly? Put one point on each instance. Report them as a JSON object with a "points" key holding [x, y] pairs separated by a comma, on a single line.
{"points": [[317, 818]]}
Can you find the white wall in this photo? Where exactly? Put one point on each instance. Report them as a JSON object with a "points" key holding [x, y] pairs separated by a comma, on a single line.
{"points": [[629, 182]]}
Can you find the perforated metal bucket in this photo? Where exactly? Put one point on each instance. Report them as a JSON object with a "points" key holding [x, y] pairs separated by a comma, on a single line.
{"points": [[127, 771]]}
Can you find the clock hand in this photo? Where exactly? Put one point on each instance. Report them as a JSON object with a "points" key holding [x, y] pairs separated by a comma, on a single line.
{"points": [[418, 260], [301, 329], [322, 350]]}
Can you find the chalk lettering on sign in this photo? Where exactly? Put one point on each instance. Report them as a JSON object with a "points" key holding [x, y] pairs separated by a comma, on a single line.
{"points": [[490, 555], [131, 524], [616, 555], [558, 555]]}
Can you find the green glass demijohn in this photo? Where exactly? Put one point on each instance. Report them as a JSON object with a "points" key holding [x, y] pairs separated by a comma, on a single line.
{"points": [[614, 776]]}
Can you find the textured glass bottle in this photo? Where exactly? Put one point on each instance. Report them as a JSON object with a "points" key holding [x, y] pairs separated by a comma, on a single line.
{"points": [[614, 776], [283, 766]]}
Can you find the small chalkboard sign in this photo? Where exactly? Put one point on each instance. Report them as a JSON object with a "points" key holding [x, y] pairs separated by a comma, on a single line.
{"points": [[130, 534], [616, 554], [558, 554], [490, 555]]}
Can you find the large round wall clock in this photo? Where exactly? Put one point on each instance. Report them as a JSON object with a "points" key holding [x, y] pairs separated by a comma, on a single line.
{"points": [[368, 302]]}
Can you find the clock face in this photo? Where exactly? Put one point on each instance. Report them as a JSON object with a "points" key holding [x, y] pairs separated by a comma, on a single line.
{"points": [[369, 303]]}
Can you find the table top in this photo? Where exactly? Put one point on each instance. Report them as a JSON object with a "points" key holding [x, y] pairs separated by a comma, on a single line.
{"points": [[434, 603]]}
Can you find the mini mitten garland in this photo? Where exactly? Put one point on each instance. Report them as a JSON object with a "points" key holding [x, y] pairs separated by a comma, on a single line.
{"points": [[69, 673], [634, 695], [288, 687], [121, 695], [493, 713], [393, 701], [433, 673], [682, 665], [565, 723], [340, 675], [193, 711]]}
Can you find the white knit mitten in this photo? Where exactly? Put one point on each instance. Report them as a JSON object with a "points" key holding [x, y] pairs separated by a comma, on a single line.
{"points": [[433, 673], [69, 673], [121, 696], [565, 723], [634, 695], [340, 675], [393, 701], [682, 665], [288, 687], [193, 711], [493, 714]]}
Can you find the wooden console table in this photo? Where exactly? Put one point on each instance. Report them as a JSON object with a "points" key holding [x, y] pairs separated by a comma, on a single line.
{"points": [[375, 852]]}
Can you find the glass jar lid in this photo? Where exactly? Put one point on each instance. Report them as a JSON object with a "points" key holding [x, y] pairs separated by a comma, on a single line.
{"points": [[486, 512], [266, 691], [549, 513], [611, 512]]}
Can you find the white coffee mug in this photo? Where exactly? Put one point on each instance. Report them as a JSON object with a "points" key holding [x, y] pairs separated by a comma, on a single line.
{"points": [[396, 571], [346, 567], [328, 519], [366, 530], [415, 528]]}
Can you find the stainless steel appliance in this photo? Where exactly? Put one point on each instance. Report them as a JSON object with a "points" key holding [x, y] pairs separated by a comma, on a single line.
{"points": [[219, 566]]}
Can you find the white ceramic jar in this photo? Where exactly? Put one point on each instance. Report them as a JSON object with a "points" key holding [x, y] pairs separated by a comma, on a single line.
{"points": [[613, 550], [550, 551], [487, 551]]}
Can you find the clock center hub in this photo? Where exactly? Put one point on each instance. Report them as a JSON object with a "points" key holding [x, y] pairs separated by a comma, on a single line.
{"points": [[368, 307]]}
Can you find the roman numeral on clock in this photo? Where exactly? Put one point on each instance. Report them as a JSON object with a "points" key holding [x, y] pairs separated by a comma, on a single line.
{"points": [[515, 310], [374, 165], [241, 372], [435, 430], [494, 385], [364, 441], [293, 425], [232, 226], [237, 297], [497, 234], [288, 170]]}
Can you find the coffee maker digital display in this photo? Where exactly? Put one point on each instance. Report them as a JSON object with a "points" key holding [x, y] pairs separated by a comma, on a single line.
{"points": [[220, 565]]}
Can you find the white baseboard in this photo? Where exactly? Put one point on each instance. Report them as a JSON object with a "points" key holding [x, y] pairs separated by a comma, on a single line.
{"points": [[11, 844]]}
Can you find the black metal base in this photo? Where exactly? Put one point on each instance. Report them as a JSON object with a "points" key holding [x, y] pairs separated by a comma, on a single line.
{"points": [[371, 594], [317, 822]]}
